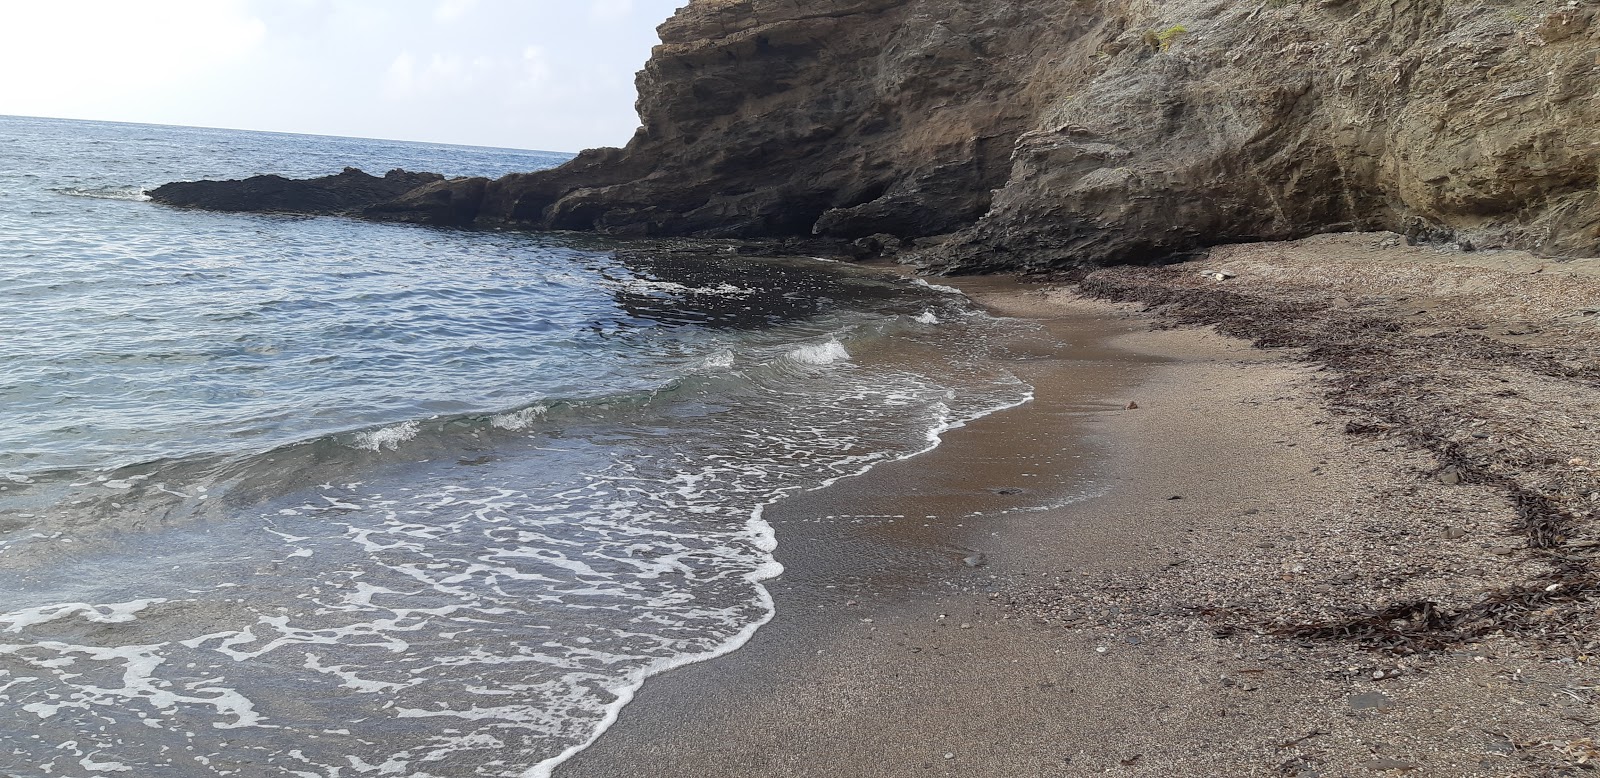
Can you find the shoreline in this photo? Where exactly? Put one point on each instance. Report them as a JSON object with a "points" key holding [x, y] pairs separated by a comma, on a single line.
{"points": [[1129, 632], [765, 535]]}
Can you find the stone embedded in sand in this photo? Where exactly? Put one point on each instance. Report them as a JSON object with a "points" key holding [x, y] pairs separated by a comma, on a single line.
{"points": [[1370, 701]]}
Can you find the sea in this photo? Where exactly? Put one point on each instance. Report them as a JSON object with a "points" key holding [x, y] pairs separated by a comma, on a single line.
{"points": [[290, 496]]}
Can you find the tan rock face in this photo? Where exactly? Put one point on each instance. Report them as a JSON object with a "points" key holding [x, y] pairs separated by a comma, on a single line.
{"points": [[1043, 133], [1272, 120]]}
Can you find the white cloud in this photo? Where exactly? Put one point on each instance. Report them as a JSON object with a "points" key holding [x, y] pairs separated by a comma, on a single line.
{"points": [[608, 11], [406, 78], [409, 78], [79, 53], [451, 10], [536, 69]]}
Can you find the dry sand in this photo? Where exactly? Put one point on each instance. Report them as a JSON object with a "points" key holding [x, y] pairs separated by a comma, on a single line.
{"points": [[1198, 586]]}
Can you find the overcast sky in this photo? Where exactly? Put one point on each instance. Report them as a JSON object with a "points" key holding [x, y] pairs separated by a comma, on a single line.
{"points": [[553, 75]]}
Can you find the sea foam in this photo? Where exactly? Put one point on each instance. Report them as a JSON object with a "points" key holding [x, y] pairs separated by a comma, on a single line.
{"points": [[518, 419], [938, 287], [389, 437], [820, 353]]}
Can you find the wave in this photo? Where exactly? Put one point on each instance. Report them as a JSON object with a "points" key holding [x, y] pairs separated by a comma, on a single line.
{"points": [[519, 419], [721, 360], [134, 193], [564, 511], [389, 437], [938, 287], [820, 353], [764, 537], [188, 486]]}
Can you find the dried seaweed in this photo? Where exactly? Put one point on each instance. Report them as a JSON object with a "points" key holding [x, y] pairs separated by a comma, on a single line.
{"points": [[1381, 376]]}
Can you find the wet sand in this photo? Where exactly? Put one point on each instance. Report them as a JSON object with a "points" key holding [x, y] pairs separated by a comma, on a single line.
{"points": [[1073, 587]]}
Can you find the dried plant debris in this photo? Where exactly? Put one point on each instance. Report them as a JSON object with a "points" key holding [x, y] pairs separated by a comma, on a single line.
{"points": [[1409, 359]]}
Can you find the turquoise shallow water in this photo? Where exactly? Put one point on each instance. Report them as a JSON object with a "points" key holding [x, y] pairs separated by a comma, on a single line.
{"points": [[289, 496]]}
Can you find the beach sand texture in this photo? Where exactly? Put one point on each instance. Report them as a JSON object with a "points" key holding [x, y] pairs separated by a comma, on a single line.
{"points": [[1170, 562]]}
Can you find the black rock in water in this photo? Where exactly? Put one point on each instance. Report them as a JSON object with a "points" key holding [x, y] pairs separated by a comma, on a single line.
{"points": [[347, 193]]}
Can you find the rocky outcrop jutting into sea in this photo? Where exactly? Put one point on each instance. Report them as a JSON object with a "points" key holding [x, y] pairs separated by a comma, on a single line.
{"points": [[1025, 134]]}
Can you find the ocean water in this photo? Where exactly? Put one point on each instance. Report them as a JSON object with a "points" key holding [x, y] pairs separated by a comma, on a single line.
{"points": [[316, 497]]}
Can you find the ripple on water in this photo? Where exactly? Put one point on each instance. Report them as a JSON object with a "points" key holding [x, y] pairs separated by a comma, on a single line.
{"points": [[315, 496]]}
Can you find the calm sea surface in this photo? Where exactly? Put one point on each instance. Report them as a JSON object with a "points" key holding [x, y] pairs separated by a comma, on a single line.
{"points": [[318, 497]]}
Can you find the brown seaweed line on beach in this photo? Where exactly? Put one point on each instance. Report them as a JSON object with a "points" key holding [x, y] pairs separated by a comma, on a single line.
{"points": [[1369, 354]]}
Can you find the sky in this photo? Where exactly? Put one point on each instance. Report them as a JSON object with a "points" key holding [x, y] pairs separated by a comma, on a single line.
{"points": [[553, 75]]}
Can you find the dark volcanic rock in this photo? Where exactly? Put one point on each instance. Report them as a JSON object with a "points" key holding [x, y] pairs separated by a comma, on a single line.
{"points": [[348, 192], [451, 202]]}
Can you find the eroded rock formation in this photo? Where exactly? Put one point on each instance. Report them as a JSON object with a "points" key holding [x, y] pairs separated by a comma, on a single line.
{"points": [[1016, 134], [349, 192]]}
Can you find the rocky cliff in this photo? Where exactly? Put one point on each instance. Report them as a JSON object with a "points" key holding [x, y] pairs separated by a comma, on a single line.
{"points": [[1021, 134]]}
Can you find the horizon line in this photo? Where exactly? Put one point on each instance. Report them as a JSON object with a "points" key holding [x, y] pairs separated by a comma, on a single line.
{"points": [[284, 132]]}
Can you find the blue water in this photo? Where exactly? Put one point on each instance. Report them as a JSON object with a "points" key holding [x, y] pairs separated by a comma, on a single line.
{"points": [[296, 496]]}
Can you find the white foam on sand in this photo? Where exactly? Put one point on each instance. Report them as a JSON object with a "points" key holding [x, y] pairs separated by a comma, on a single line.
{"points": [[110, 613], [764, 537], [927, 317]]}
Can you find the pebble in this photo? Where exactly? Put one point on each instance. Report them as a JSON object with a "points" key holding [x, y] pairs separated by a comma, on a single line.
{"points": [[1454, 533], [1370, 701]]}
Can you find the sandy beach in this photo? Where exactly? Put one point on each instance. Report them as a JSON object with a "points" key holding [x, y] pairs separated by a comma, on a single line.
{"points": [[1366, 549]]}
